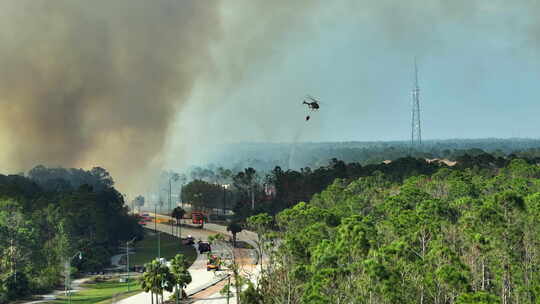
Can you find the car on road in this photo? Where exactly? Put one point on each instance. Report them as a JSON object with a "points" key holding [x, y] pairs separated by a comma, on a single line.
{"points": [[137, 268], [189, 240], [204, 247], [213, 262]]}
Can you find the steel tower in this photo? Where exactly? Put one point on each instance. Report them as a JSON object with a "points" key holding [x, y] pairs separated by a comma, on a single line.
{"points": [[416, 130]]}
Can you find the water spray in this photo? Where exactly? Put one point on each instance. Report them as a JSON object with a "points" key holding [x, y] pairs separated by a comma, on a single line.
{"points": [[313, 105]]}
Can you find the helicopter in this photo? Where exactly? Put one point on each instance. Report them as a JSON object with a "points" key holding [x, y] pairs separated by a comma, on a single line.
{"points": [[312, 104]]}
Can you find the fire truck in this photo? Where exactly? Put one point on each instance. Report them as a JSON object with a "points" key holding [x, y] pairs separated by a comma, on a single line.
{"points": [[198, 218], [214, 262]]}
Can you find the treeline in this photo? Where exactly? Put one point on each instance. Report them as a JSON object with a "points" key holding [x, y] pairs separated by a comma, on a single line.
{"points": [[265, 156], [461, 235], [297, 157], [223, 189], [251, 192], [48, 217]]}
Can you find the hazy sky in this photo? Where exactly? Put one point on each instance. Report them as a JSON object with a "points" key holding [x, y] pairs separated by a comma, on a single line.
{"points": [[478, 62], [136, 86]]}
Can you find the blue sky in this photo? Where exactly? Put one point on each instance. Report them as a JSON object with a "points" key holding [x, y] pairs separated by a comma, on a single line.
{"points": [[478, 60]]}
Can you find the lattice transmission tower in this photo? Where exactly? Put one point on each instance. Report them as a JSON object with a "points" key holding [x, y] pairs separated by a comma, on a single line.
{"points": [[416, 129]]}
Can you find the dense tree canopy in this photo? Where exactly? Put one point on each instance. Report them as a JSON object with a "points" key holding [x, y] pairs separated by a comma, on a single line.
{"points": [[249, 193], [466, 235], [203, 195], [50, 215]]}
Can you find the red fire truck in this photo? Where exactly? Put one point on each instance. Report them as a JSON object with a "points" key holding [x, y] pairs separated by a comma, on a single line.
{"points": [[197, 218]]}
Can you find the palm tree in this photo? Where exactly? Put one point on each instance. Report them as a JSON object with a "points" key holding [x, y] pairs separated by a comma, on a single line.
{"points": [[234, 228], [178, 213], [148, 279], [179, 268], [167, 280], [156, 279], [247, 181]]}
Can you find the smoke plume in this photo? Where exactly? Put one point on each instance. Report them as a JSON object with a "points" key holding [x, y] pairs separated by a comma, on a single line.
{"points": [[86, 83], [115, 83]]}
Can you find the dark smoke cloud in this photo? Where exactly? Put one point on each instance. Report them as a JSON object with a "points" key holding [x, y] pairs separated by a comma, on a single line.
{"points": [[86, 83], [99, 82], [255, 46]]}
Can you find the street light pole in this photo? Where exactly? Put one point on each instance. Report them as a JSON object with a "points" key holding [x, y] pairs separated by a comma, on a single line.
{"points": [[68, 274], [224, 199], [127, 262], [170, 202], [228, 288], [126, 201], [159, 235], [180, 195]]}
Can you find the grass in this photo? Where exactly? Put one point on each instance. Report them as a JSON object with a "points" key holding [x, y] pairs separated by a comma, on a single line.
{"points": [[101, 292], [146, 250]]}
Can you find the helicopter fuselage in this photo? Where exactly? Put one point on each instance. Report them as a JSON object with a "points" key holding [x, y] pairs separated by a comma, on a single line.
{"points": [[312, 105]]}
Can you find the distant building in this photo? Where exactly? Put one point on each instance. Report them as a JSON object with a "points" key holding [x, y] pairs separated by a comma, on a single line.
{"points": [[444, 161], [270, 190]]}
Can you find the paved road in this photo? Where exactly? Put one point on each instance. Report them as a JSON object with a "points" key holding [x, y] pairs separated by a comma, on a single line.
{"points": [[200, 276], [245, 235]]}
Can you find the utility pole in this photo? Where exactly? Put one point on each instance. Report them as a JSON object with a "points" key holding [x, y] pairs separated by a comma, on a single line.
{"points": [[67, 283], [228, 288], [67, 270], [252, 198], [158, 234], [170, 202], [180, 195], [224, 199], [127, 262]]}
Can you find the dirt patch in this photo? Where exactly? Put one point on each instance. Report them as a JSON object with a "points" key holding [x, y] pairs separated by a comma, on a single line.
{"points": [[243, 245], [209, 291]]}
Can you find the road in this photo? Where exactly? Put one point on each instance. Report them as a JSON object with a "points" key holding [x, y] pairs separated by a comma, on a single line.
{"points": [[209, 229], [201, 278]]}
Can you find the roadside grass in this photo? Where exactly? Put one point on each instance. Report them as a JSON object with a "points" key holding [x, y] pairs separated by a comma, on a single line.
{"points": [[146, 250], [101, 292]]}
